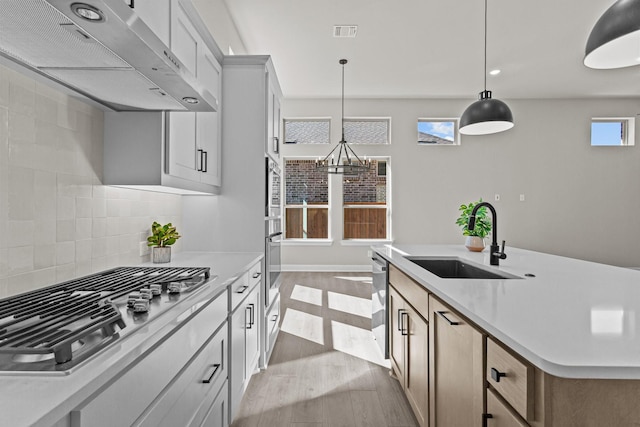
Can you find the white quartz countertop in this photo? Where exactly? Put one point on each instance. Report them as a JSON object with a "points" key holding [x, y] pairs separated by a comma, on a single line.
{"points": [[37, 399], [574, 319]]}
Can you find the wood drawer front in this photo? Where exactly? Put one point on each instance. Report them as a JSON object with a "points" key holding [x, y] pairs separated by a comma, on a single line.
{"points": [[240, 289], [501, 414], [516, 386], [412, 292]]}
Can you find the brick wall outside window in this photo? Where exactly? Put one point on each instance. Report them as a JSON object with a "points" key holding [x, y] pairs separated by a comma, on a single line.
{"points": [[303, 183]]}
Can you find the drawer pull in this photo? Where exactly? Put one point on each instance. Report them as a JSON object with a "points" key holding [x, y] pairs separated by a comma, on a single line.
{"points": [[450, 322], [210, 377], [404, 331], [242, 289], [485, 417], [256, 275], [274, 318], [496, 375]]}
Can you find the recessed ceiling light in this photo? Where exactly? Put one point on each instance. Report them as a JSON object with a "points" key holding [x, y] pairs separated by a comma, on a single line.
{"points": [[190, 100], [494, 72], [87, 12]]}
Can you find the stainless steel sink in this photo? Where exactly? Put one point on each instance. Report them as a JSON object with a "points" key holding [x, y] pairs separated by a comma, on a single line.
{"points": [[455, 268]]}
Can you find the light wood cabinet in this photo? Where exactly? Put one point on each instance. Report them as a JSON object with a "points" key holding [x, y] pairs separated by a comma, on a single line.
{"points": [[456, 368], [499, 414], [409, 345]]}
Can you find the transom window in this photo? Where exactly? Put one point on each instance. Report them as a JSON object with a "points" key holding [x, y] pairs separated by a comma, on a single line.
{"points": [[438, 132], [613, 132], [367, 130], [307, 131]]}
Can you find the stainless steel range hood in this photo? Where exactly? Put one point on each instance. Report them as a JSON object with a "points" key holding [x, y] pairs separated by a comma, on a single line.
{"points": [[118, 62]]}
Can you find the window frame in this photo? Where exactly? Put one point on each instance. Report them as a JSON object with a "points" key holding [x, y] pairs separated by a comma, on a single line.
{"points": [[306, 119], [370, 119], [304, 241], [387, 206], [628, 130], [456, 131]]}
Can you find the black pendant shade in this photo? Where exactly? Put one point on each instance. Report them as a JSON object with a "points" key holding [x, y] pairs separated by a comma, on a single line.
{"points": [[486, 115], [614, 41]]}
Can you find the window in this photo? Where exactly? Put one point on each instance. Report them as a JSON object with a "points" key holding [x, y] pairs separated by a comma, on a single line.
{"points": [[365, 199], [437, 132], [367, 131], [613, 132], [306, 131], [306, 200]]}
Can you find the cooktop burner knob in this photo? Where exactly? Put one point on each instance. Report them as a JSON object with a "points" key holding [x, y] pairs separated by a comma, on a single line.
{"points": [[146, 293], [133, 296], [156, 289], [174, 287], [141, 305]]}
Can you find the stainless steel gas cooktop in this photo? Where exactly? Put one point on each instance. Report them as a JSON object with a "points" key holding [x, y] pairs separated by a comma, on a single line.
{"points": [[55, 328]]}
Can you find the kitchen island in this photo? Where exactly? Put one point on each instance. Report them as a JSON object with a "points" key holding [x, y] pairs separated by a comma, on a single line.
{"points": [[572, 325], [48, 399]]}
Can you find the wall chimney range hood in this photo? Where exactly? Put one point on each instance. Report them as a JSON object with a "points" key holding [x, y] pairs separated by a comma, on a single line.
{"points": [[104, 52]]}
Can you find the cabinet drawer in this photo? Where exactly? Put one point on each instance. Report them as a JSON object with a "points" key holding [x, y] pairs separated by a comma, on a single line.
{"points": [[412, 292], [189, 398], [500, 415], [240, 289], [255, 273], [511, 378], [145, 381]]}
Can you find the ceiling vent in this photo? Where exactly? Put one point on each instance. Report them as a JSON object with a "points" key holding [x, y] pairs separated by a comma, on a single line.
{"points": [[349, 31]]}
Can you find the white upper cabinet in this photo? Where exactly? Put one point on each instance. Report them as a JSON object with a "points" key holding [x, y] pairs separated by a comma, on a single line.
{"points": [[194, 138]]}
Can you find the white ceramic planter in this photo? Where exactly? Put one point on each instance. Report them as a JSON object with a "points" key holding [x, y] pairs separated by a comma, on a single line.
{"points": [[161, 254], [474, 243]]}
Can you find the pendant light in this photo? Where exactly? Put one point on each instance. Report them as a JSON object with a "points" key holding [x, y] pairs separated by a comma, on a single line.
{"points": [[614, 41], [345, 161], [487, 115]]}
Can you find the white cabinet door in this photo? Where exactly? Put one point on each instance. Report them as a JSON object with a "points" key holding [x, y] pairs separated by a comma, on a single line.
{"points": [[208, 131], [156, 14], [183, 158], [184, 38], [237, 363], [252, 337]]}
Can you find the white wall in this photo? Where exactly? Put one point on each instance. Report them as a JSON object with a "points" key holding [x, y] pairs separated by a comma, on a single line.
{"points": [[581, 201], [56, 219]]}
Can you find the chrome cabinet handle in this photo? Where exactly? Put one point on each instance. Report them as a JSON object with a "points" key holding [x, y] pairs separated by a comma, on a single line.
{"points": [[442, 314], [243, 287], [208, 379], [206, 161], [252, 318]]}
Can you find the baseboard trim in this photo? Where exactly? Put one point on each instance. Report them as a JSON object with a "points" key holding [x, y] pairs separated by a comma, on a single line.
{"points": [[328, 268]]}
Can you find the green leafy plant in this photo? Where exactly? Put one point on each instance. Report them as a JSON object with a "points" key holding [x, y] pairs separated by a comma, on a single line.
{"points": [[483, 223], [162, 235]]}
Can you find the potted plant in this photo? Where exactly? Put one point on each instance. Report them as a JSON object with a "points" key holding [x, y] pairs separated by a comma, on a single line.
{"points": [[161, 239], [475, 237]]}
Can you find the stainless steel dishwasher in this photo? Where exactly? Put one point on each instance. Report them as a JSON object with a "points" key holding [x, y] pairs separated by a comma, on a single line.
{"points": [[379, 297]]}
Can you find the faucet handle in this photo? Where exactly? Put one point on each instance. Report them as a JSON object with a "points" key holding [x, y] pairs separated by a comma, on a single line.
{"points": [[502, 254]]}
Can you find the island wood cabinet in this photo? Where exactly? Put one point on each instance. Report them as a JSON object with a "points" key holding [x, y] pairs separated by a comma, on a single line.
{"points": [[244, 324], [409, 341], [456, 368]]}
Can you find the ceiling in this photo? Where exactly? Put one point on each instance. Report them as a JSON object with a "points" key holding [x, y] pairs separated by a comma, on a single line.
{"points": [[431, 48]]}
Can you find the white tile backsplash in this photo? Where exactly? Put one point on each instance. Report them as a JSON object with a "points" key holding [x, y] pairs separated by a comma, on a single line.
{"points": [[59, 222]]}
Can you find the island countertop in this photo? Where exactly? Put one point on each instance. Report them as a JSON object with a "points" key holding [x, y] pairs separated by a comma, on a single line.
{"points": [[574, 319]]}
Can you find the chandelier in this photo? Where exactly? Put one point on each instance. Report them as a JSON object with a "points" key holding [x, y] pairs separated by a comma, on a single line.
{"points": [[342, 159]]}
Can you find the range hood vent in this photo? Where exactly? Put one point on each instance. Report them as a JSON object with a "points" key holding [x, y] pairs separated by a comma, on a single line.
{"points": [[119, 62]]}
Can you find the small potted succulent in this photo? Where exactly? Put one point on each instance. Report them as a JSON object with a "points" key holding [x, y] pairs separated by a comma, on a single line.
{"points": [[475, 237], [161, 239]]}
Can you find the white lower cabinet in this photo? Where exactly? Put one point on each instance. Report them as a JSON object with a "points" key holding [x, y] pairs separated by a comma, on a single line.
{"points": [[174, 384], [244, 323]]}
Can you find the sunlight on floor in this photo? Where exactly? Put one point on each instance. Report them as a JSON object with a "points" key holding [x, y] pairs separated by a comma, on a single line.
{"points": [[307, 294], [350, 304], [357, 342], [303, 325], [364, 279]]}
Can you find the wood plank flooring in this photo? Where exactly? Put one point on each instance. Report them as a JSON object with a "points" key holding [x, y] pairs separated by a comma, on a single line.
{"points": [[326, 369]]}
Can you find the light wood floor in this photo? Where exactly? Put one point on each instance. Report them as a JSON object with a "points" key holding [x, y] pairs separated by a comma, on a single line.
{"points": [[325, 369]]}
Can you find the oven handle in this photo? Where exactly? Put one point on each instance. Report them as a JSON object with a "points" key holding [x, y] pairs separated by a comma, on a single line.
{"points": [[272, 235]]}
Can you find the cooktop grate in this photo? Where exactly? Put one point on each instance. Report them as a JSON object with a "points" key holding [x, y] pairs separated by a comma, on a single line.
{"points": [[50, 321]]}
